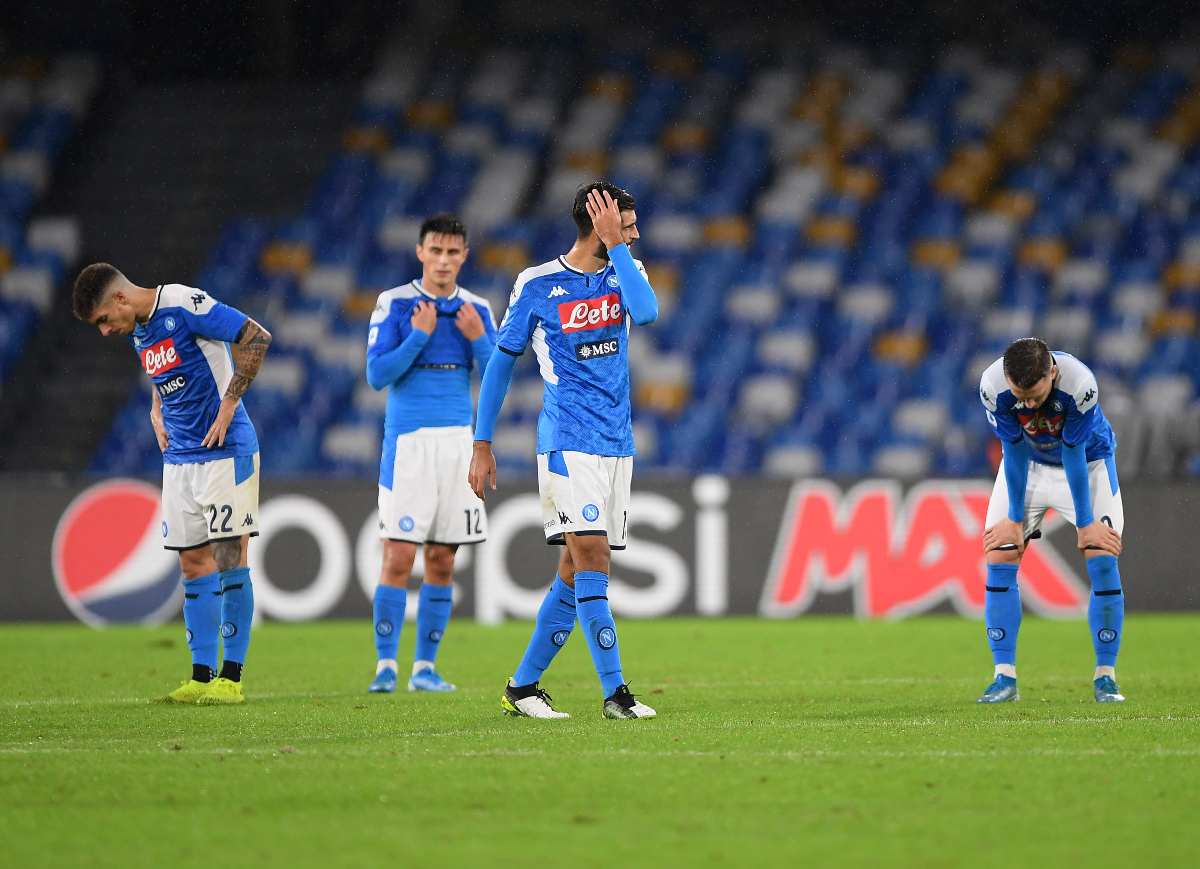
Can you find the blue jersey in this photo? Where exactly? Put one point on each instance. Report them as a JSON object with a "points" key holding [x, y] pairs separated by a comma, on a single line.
{"points": [[1071, 414], [427, 376], [577, 324], [184, 349]]}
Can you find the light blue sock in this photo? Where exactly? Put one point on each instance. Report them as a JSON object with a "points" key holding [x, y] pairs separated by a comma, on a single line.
{"points": [[237, 612], [1106, 609], [555, 618], [202, 616], [433, 613], [1002, 612], [389, 619], [595, 617]]}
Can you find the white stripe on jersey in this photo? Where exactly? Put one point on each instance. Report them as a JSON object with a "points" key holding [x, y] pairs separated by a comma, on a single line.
{"points": [[542, 351]]}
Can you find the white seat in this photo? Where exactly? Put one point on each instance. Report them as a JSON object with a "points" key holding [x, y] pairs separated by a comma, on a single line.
{"points": [[758, 305], [31, 167], [357, 442], [1122, 348], [303, 329], [370, 400], [1008, 324], [399, 233], [58, 234], [32, 284], [285, 374], [869, 303], [990, 229], [973, 283], [790, 349], [906, 462], [767, 399], [333, 283], [675, 232], [515, 442], [791, 461], [812, 279], [412, 164], [343, 351], [1138, 299], [925, 418], [1082, 277], [1067, 329]]}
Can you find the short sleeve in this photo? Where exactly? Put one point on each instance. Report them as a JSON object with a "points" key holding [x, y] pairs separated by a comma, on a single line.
{"points": [[209, 318], [1081, 416], [382, 334], [519, 320], [1003, 423]]}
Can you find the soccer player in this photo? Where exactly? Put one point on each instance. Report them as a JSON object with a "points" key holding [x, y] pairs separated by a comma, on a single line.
{"points": [[1060, 454], [424, 338], [201, 356], [575, 310]]}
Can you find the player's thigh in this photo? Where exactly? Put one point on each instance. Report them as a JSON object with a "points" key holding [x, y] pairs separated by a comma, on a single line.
{"points": [[407, 509], [1106, 493], [585, 493], [1034, 507], [554, 524], [460, 516], [620, 470], [184, 525], [227, 492]]}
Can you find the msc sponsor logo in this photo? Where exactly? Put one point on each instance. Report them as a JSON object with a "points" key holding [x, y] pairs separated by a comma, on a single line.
{"points": [[590, 313], [161, 357], [172, 386], [593, 349], [198, 300], [902, 554]]}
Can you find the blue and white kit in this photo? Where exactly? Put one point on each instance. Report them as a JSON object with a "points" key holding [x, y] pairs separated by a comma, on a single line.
{"points": [[208, 493], [578, 325], [1059, 456], [424, 496]]}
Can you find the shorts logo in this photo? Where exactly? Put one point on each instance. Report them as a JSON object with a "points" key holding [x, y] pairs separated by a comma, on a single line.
{"points": [[161, 357], [435, 636], [591, 512], [613, 282], [164, 529], [1106, 635], [228, 630], [996, 634], [170, 324], [248, 521], [590, 313], [384, 628], [406, 523], [559, 638], [594, 349], [563, 518], [607, 638]]}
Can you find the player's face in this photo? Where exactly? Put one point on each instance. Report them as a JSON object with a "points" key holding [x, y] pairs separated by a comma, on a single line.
{"points": [[114, 316], [629, 233], [1036, 395], [442, 256]]}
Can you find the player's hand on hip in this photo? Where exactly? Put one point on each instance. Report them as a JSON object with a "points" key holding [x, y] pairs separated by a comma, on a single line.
{"points": [[160, 431], [424, 317], [1099, 536], [606, 217], [220, 427], [469, 322], [1006, 532], [482, 475]]}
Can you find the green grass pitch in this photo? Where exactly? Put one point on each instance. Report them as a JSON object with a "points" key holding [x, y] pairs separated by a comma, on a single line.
{"points": [[816, 742]]}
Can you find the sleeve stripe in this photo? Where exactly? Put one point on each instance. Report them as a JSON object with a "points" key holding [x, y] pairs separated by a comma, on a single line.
{"points": [[501, 347]]}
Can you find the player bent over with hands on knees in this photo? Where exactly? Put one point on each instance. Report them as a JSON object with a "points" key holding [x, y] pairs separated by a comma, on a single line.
{"points": [[576, 310], [1060, 454], [184, 339], [424, 338]]}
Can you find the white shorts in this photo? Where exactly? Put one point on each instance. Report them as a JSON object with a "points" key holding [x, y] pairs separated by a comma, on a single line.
{"points": [[584, 494], [206, 501], [430, 500], [1047, 489]]}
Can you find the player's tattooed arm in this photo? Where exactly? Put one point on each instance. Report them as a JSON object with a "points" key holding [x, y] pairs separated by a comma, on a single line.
{"points": [[248, 353]]}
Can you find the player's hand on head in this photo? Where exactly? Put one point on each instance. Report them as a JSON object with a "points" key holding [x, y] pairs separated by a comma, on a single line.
{"points": [[1098, 536], [469, 322], [1006, 532], [482, 474], [606, 217], [424, 317], [220, 427]]}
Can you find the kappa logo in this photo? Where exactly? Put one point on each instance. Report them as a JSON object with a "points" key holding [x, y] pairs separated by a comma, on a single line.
{"points": [[198, 300], [248, 521], [593, 349], [563, 518], [1088, 396], [557, 291]]}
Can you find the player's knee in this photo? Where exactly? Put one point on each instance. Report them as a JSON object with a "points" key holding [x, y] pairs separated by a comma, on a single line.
{"points": [[398, 558], [1002, 556], [590, 552], [439, 563], [566, 568], [195, 563]]}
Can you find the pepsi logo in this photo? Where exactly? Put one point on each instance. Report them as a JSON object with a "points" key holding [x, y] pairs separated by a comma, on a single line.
{"points": [[107, 556]]}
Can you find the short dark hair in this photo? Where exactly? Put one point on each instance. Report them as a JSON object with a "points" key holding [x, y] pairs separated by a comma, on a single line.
{"points": [[443, 224], [579, 212], [90, 287], [1027, 361]]}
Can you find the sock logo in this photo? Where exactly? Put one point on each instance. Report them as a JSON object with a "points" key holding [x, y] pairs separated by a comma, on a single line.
{"points": [[591, 512], [1106, 635], [228, 630], [406, 523], [606, 637], [435, 636], [383, 628], [996, 634], [559, 638]]}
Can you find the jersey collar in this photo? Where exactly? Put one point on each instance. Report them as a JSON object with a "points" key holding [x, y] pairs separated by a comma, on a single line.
{"points": [[417, 285], [566, 265]]}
